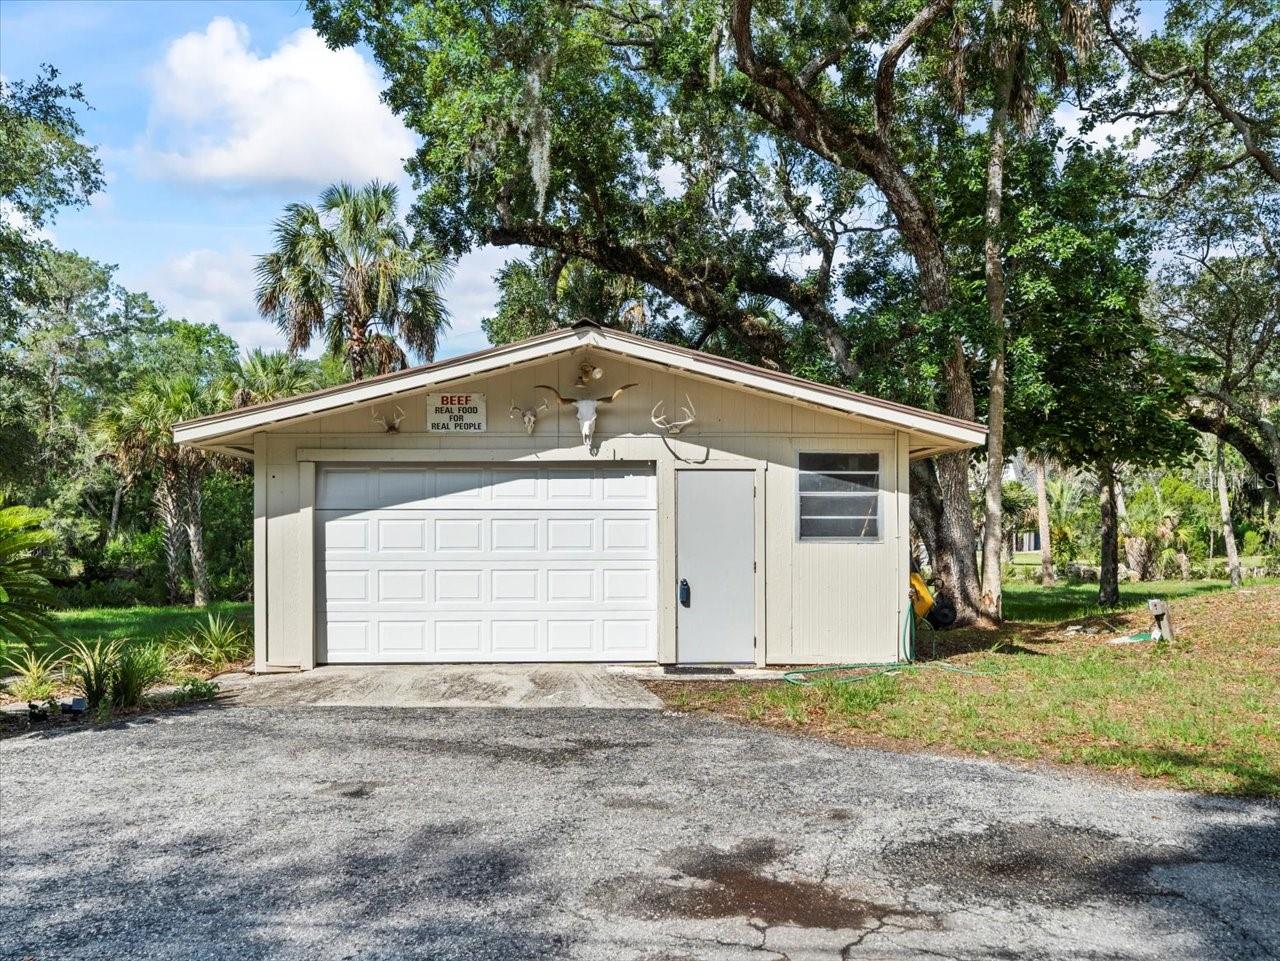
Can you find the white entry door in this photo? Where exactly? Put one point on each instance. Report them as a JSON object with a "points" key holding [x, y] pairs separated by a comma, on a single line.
{"points": [[715, 564], [479, 563]]}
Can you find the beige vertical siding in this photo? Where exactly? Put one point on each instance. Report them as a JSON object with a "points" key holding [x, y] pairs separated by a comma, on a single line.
{"points": [[823, 602]]}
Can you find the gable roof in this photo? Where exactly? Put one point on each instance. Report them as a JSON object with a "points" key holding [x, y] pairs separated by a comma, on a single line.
{"points": [[943, 432]]}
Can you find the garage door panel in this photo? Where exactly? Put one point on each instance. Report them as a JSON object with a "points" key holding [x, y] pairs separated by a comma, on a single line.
{"points": [[401, 587], [516, 637], [402, 485], [348, 640], [458, 586], [347, 587], [629, 534], [458, 534], [478, 563], [570, 534], [523, 534], [516, 585], [402, 637], [396, 637], [459, 637], [346, 534]]}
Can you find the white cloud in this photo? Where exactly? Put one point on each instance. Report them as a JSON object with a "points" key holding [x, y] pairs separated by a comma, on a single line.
{"points": [[304, 114], [15, 219], [210, 286], [471, 296]]}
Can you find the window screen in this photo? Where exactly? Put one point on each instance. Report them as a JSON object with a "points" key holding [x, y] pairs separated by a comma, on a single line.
{"points": [[839, 496]]}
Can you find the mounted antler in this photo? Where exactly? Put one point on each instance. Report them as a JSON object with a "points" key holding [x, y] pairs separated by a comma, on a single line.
{"points": [[673, 427], [394, 426], [529, 415]]}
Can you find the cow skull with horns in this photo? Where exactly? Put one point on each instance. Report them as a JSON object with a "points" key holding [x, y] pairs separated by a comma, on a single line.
{"points": [[588, 408]]}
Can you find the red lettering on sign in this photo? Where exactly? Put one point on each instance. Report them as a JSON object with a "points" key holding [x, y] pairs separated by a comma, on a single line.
{"points": [[453, 400]]}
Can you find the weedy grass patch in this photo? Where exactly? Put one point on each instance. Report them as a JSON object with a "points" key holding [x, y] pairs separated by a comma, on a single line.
{"points": [[1202, 713]]}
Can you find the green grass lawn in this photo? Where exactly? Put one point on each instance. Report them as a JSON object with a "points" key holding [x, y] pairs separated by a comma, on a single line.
{"points": [[1031, 603], [139, 623], [1202, 713]]}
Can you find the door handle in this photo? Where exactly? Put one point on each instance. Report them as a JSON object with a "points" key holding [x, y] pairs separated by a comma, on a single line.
{"points": [[684, 592]]}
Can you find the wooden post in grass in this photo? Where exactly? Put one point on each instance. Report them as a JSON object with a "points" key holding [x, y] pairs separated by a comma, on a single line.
{"points": [[1163, 622]]}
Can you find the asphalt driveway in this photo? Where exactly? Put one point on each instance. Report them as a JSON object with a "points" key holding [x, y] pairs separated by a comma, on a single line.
{"points": [[247, 830]]}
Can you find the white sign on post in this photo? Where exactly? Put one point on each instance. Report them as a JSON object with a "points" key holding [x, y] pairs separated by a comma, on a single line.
{"points": [[455, 413]]}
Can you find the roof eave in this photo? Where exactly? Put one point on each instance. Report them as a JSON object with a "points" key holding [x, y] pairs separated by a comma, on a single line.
{"points": [[946, 433]]}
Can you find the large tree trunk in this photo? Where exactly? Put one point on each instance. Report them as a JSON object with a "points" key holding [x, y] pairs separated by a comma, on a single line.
{"points": [[1042, 509], [993, 527], [1228, 532], [1108, 582], [194, 524], [174, 536], [926, 507], [956, 561]]}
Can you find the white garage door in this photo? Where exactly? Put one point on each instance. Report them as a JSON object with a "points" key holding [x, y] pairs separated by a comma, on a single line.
{"points": [[486, 564]]}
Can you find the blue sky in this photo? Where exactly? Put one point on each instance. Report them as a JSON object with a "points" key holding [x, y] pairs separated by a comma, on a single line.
{"points": [[210, 117]]}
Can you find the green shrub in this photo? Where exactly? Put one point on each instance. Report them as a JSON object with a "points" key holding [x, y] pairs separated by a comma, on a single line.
{"points": [[115, 592], [195, 688], [25, 592], [138, 667], [1252, 545], [218, 642], [37, 676], [91, 670], [114, 675]]}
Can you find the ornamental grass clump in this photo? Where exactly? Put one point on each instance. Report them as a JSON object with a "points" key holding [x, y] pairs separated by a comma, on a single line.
{"points": [[38, 676], [90, 669], [114, 675], [139, 667], [217, 643]]}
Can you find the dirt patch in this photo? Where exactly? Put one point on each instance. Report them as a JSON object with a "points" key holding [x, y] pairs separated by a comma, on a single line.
{"points": [[709, 883], [543, 754], [635, 804], [1043, 862], [350, 789]]}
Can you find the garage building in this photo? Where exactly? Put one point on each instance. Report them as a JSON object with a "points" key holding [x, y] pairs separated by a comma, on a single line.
{"points": [[584, 495]]}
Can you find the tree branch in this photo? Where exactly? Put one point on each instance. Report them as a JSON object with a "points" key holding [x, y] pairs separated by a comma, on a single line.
{"points": [[888, 66], [1199, 79]]}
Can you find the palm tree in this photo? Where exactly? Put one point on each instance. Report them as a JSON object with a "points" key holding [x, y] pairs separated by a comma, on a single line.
{"points": [[263, 376], [25, 594], [348, 272], [1065, 498], [138, 433]]}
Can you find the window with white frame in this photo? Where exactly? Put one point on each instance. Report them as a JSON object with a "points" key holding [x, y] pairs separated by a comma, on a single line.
{"points": [[839, 497]]}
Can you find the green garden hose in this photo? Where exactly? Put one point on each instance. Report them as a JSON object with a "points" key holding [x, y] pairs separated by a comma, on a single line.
{"points": [[906, 661]]}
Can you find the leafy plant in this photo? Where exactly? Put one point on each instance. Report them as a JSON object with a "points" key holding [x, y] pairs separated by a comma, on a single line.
{"points": [[195, 688], [218, 642], [91, 670], [25, 593], [37, 675], [138, 667]]}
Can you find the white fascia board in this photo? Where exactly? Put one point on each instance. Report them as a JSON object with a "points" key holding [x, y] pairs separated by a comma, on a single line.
{"points": [[356, 394], [920, 422]]}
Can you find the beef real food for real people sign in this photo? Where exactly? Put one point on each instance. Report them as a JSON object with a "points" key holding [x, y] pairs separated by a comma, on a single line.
{"points": [[451, 413]]}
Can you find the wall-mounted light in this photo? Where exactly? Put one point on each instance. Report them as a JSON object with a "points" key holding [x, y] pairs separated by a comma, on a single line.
{"points": [[587, 373]]}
